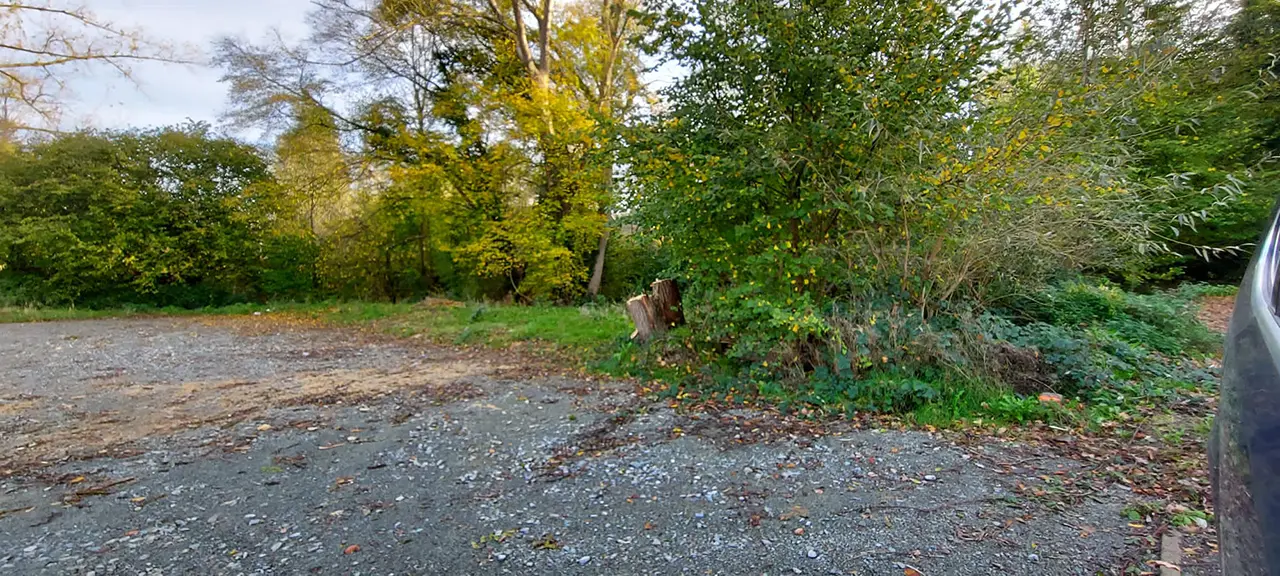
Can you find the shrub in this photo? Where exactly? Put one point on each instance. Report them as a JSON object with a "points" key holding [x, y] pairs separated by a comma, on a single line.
{"points": [[1164, 322], [814, 168], [167, 217]]}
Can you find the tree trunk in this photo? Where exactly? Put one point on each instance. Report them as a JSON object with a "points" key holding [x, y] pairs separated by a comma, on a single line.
{"points": [[597, 271], [1086, 39], [643, 315], [387, 282], [666, 301]]}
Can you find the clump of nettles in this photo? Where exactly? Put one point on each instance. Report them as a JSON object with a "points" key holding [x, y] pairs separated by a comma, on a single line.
{"points": [[1080, 339]]}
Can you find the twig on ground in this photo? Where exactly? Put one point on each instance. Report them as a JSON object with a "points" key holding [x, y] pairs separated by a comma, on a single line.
{"points": [[928, 509]]}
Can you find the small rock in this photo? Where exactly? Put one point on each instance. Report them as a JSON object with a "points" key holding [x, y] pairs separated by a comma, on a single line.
{"points": [[276, 546], [1201, 523], [583, 560], [798, 531], [1033, 557], [255, 522], [930, 477], [500, 557], [812, 554], [699, 515]]}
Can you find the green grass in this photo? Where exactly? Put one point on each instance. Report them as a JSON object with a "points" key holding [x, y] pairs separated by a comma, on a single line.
{"points": [[586, 328], [11, 314], [593, 329]]}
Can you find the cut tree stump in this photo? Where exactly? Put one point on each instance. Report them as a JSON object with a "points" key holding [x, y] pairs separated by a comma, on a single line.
{"points": [[655, 315], [644, 315], [666, 300]]}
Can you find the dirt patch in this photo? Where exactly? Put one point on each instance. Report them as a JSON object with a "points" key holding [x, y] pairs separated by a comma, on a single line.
{"points": [[1215, 312], [81, 402]]}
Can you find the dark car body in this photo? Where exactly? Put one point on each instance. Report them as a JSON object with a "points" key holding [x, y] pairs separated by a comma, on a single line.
{"points": [[1244, 448]]}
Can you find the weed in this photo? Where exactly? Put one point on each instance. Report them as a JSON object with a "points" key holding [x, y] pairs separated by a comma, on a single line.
{"points": [[1173, 436], [1140, 511], [1189, 517]]}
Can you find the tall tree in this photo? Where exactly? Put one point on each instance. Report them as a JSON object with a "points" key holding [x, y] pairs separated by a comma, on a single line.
{"points": [[312, 166], [429, 83]]}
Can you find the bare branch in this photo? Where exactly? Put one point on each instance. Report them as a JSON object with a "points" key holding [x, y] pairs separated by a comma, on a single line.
{"points": [[43, 44]]}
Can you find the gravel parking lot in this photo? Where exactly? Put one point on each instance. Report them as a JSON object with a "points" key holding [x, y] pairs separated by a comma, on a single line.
{"points": [[199, 446]]}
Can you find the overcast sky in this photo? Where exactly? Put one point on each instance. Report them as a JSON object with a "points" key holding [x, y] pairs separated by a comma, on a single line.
{"points": [[166, 94]]}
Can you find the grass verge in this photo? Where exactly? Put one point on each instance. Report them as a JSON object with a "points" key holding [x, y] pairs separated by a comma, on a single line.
{"points": [[586, 331]]}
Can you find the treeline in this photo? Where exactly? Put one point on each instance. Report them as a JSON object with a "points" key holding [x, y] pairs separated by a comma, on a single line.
{"points": [[169, 217], [814, 165], [183, 217]]}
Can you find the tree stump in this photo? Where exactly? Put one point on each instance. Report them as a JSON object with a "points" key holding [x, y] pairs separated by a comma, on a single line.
{"points": [[666, 300], [644, 315]]}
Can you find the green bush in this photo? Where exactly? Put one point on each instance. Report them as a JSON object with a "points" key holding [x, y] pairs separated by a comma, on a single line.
{"points": [[1096, 338], [167, 217], [1164, 321], [889, 390]]}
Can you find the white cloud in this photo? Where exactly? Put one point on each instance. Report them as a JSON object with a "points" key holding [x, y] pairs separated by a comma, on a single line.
{"points": [[162, 94]]}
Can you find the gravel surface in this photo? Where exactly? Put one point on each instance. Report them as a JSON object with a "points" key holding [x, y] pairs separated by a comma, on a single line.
{"points": [[207, 447]]}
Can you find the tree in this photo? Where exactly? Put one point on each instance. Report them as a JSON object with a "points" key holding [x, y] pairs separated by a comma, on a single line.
{"points": [[597, 51], [45, 42], [826, 165], [312, 167], [1174, 81], [171, 216], [449, 89]]}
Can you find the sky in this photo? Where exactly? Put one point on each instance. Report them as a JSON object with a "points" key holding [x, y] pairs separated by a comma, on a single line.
{"points": [[163, 94]]}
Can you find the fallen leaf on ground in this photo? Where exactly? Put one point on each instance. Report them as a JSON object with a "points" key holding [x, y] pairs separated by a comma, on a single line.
{"points": [[1163, 564], [909, 571], [1049, 398], [547, 542], [264, 427], [795, 512], [352, 549]]}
